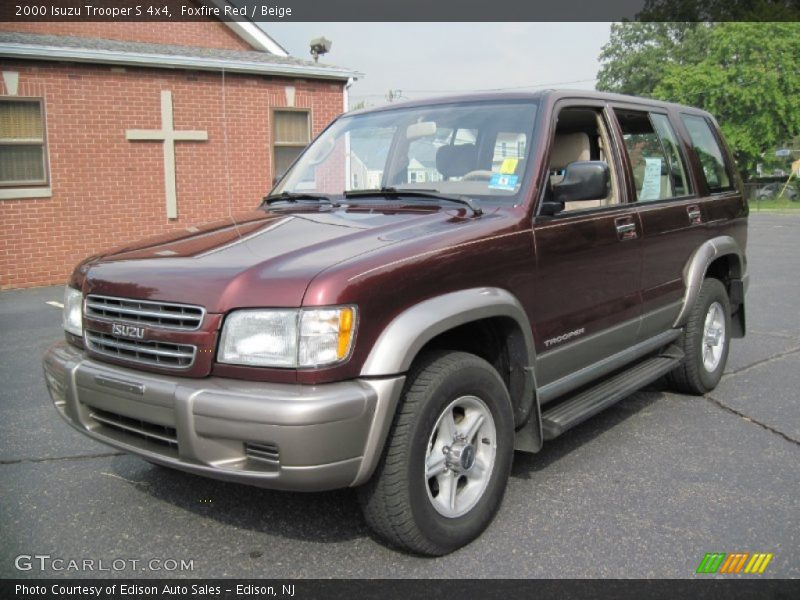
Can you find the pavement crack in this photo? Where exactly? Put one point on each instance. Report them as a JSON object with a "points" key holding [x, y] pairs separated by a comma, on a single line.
{"points": [[763, 361], [131, 481], [749, 419], [58, 458], [780, 334]]}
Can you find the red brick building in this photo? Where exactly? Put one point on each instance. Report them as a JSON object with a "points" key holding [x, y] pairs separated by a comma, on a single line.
{"points": [[110, 132]]}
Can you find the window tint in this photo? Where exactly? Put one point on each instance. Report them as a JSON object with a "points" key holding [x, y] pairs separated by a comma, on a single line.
{"points": [[649, 159], [709, 153]]}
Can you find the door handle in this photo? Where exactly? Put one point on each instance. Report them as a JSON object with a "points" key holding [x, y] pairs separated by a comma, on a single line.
{"points": [[695, 216], [626, 228]]}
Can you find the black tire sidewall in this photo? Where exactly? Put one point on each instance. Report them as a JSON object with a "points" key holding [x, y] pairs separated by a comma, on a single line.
{"points": [[712, 291], [482, 381]]}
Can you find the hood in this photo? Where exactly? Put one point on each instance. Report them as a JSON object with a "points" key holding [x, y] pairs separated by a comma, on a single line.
{"points": [[265, 258]]}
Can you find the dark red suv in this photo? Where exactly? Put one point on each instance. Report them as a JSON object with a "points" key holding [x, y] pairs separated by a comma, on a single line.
{"points": [[429, 287]]}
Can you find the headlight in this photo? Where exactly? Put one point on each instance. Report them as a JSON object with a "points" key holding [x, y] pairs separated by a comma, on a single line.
{"points": [[73, 311], [325, 336], [288, 338]]}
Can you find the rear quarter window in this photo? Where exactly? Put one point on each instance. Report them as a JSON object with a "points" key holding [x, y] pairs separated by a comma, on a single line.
{"points": [[709, 153]]}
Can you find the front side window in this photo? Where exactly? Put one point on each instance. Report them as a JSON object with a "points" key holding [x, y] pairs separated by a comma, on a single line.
{"points": [[708, 152], [23, 155], [656, 164], [581, 134], [475, 149]]}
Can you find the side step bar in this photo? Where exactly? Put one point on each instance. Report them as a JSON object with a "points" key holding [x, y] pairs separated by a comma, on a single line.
{"points": [[588, 403]]}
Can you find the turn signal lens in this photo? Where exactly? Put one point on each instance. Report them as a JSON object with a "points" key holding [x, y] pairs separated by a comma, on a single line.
{"points": [[345, 333]]}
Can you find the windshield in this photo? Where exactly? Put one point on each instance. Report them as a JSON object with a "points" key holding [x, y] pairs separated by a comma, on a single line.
{"points": [[472, 149]]}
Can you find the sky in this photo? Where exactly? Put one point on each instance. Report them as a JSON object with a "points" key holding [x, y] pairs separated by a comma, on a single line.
{"points": [[430, 59]]}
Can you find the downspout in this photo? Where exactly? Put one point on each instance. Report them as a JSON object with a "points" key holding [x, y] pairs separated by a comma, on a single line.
{"points": [[346, 94]]}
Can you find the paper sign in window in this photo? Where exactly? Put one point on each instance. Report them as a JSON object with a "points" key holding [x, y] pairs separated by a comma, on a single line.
{"points": [[651, 186]]}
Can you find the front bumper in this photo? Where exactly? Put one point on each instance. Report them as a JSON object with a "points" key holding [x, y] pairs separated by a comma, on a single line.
{"points": [[282, 436]]}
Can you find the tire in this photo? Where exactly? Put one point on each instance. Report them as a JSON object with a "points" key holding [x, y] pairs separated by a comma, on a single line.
{"points": [[417, 513], [703, 362]]}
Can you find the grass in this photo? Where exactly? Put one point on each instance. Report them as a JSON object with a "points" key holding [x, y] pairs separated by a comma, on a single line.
{"points": [[775, 205]]}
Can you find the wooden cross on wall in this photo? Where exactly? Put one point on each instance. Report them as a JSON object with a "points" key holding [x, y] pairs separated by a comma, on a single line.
{"points": [[168, 135]]}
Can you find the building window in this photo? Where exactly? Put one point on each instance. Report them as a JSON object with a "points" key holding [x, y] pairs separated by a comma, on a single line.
{"points": [[23, 150], [292, 132]]}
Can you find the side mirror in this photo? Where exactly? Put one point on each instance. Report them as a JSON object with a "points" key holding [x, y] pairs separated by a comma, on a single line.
{"points": [[583, 180]]}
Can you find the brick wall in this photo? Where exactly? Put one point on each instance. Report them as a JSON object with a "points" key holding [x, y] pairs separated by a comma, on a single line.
{"points": [[208, 34], [107, 190]]}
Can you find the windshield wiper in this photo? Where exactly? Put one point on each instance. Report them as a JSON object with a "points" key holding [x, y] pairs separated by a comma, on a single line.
{"points": [[296, 196], [393, 192]]}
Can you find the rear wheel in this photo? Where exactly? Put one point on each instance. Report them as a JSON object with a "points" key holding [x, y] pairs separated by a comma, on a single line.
{"points": [[446, 463], [705, 341]]}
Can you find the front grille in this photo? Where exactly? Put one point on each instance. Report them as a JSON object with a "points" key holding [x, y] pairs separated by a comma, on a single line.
{"points": [[158, 354], [150, 432], [145, 312], [266, 453]]}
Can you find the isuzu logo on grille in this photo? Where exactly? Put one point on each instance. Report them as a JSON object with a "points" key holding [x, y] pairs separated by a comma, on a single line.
{"points": [[129, 331]]}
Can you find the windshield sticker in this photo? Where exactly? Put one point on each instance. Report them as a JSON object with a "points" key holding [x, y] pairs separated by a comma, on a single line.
{"points": [[498, 181], [509, 166], [651, 186]]}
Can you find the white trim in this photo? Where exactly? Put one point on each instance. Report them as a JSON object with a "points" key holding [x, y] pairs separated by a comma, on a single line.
{"points": [[25, 193], [41, 52], [256, 37], [249, 31]]}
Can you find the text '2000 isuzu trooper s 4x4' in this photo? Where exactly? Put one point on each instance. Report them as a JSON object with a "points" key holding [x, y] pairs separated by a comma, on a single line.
{"points": [[429, 287]]}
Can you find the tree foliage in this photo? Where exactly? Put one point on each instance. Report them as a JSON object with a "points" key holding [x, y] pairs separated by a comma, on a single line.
{"points": [[719, 10], [747, 74], [750, 79], [637, 55]]}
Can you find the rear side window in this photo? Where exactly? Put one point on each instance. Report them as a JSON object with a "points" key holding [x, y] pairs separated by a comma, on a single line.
{"points": [[709, 153], [657, 166], [675, 158]]}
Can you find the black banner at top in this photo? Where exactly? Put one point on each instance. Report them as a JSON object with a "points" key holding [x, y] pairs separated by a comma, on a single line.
{"points": [[399, 10]]}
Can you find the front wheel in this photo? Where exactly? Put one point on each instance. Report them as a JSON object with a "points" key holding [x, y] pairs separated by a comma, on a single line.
{"points": [[705, 341], [446, 464]]}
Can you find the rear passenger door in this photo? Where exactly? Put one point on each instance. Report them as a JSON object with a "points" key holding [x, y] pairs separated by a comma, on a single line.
{"points": [[668, 208]]}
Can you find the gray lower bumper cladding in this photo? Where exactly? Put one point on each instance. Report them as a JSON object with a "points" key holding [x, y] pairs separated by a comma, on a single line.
{"points": [[281, 436]]}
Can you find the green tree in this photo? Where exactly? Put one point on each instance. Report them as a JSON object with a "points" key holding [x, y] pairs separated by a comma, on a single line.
{"points": [[634, 59], [746, 74], [719, 10], [749, 78]]}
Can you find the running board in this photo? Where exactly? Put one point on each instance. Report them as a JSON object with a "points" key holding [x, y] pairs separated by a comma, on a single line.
{"points": [[588, 403]]}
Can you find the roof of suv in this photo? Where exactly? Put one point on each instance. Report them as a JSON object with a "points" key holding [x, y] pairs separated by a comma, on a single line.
{"points": [[550, 94]]}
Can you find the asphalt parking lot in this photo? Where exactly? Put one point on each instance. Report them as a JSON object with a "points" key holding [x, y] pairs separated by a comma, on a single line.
{"points": [[643, 490]]}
